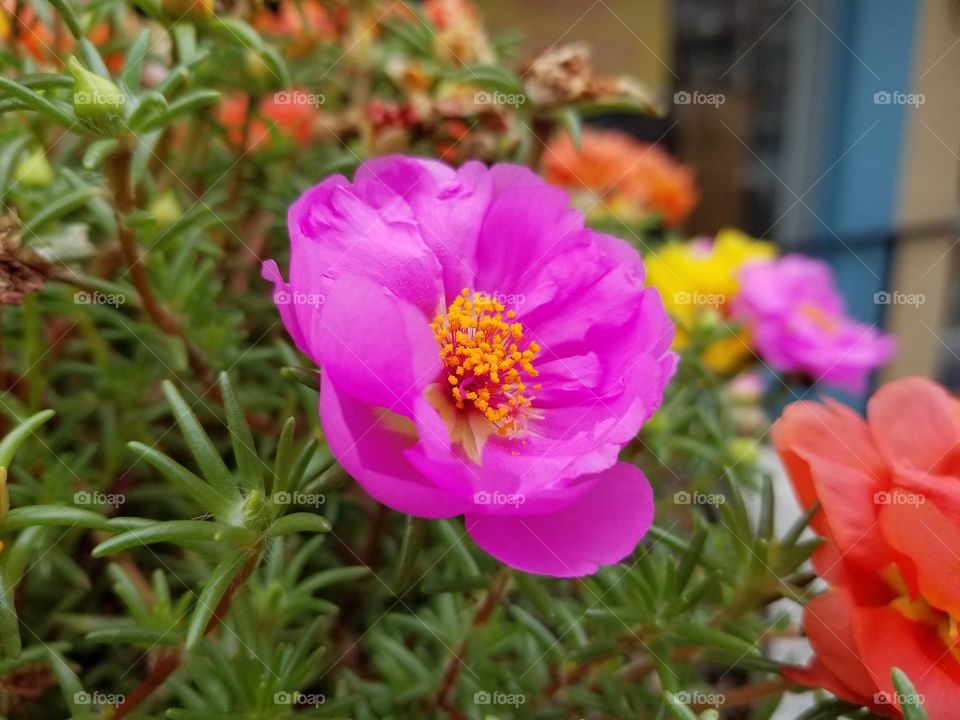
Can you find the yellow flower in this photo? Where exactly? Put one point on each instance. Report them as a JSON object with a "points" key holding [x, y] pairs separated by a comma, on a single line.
{"points": [[698, 279]]}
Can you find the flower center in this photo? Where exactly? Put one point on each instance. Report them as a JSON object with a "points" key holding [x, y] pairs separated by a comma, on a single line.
{"points": [[919, 610], [487, 359], [825, 322]]}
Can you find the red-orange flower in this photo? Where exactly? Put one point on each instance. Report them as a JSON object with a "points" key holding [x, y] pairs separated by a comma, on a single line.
{"points": [[889, 489], [299, 25], [612, 165], [289, 114], [44, 44]]}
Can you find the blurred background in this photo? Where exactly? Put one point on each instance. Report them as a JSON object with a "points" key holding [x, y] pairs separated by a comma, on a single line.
{"points": [[828, 126]]}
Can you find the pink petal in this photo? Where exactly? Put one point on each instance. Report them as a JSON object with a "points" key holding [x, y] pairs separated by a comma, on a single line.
{"points": [[601, 527], [375, 347], [373, 450]]}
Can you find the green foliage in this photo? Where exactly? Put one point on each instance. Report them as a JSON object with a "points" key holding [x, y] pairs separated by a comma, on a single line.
{"points": [[178, 541]]}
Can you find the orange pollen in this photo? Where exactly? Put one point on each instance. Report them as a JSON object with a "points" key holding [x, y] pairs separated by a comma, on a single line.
{"points": [[823, 321], [480, 347]]}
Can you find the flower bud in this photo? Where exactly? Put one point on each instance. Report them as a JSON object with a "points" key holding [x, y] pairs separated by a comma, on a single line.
{"points": [[34, 170], [96, 99], [256, 512], [196, 10], [165, 209]]}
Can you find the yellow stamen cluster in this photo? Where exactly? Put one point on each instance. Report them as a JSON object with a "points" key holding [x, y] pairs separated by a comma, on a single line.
{"points": [[480, 346]]}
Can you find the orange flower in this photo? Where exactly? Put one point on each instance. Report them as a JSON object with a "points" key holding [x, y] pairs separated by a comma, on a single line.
{"points": [[889, 489], [300, 24], [612, 165], [290, 114], [45, 45]]}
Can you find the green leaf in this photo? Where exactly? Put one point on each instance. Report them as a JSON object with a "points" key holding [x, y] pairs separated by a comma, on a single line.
{"points": [[70, 685], [211, 464], [133, 65], [55, 515], [491, 77], [711, 637], [15, 438], [249, 465], [414, 530], [908, 698], [326, 578], [63, 205], [177, 532], [690, 559], [767, 509], [677, 709], [284, 458], [97, 152], [305, 376], [132, 636], [569, 119], [185, 481], [299, 522], [800, 524], [183, 105], [58, 112], [213, 591], [10, 646]]}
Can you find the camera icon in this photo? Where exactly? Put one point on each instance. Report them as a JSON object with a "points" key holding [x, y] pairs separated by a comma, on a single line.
{"points": [[682, 298], [482, 498], [682, 98], [881, 298], [882, 497], [681, 497], [882, 97], [282, 298], [82, 497], [82, 297], [481, 697], [283, 698], [282, 498], [482, 97], [283, 97], [82, 697]]}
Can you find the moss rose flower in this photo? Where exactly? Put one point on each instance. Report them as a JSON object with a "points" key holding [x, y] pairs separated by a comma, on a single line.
{"points": [[482, 354]]}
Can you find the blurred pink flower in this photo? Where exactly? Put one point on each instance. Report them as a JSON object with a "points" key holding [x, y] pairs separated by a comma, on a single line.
{"points": [[482, 353], [799, 323]]}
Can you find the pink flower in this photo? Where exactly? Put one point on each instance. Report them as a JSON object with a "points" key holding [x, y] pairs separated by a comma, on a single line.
{"points": [[482, 353], [799, 324]]}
